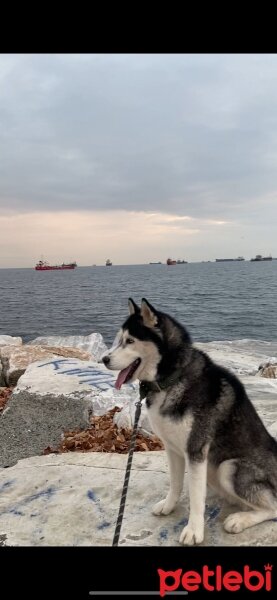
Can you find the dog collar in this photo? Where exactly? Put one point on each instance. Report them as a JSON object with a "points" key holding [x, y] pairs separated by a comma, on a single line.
{"points": [[148, 386], [154, 386]]}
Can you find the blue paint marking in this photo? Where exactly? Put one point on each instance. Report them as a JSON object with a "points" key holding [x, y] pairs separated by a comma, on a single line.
{"points": [[18, 513], [163, 535], [48, 493], [6, 485], [91, 495], [90, 375], [104, 525], [180, 524], [56, 363], [212, 511]]}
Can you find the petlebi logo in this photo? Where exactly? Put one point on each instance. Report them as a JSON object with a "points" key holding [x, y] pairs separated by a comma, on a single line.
{"points": [[215, 580]]}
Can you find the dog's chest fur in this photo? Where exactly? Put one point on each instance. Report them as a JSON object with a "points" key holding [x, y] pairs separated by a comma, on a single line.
{"points": [[173, 433]]}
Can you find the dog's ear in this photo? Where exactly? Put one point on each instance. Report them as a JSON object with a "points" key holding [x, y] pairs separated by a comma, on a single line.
{"points": [[133, 307], [148, 314]]}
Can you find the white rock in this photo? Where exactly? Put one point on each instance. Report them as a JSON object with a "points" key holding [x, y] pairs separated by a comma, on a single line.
{"points": [[73, 499], [15, 359], [126, 417], [92, 343], [75, 378], [8, 340], [54, 396], [243, 357]]}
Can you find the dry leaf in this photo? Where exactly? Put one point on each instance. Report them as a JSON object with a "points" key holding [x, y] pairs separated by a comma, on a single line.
{"points": [[104, 436]]}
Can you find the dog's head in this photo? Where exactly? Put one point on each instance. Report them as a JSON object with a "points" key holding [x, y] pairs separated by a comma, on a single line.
{"points": [[142, 343]]}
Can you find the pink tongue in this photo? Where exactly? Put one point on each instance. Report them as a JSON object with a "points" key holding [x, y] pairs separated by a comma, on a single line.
{"points": [[122, 376]]}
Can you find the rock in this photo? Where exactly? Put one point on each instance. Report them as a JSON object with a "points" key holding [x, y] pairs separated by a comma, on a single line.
{"points": [[76, 379], [243, 357], [30, 423], [93, 343], [268, 370], [126, 417], [15, 359], [73, 499], [69, 352], [263, 394], [8, 340], [54, 396]]}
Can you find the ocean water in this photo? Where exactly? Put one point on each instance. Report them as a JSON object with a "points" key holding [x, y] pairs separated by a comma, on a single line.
{"points": [[215, 301]]}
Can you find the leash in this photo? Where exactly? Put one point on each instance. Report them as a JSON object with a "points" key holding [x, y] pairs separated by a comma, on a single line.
{"points": [[127, 474], [144, 388]]}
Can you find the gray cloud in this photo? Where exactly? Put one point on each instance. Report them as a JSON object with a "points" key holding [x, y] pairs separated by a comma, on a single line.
{"points": [[187, 134]]}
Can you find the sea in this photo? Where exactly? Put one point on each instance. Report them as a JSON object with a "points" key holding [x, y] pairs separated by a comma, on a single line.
{"points": [[215, 301]]}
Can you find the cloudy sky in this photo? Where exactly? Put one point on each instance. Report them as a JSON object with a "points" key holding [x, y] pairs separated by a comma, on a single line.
{"points": [[137, 157]]}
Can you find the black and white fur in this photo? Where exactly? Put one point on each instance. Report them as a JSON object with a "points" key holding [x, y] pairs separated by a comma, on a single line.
{"points": [[205, 420]]}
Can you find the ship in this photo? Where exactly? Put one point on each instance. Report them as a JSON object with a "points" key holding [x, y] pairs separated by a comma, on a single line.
{"points": [[43, 265], [108, 263], [171, 262], [229, 259], [155, 263], [182, 262], [259, 258]]}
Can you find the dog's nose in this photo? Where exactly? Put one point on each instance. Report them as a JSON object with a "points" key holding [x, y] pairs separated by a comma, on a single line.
{"points": [[106, 360]]}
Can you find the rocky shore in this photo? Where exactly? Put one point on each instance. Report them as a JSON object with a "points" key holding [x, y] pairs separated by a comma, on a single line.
{"points": [[60, 414]]}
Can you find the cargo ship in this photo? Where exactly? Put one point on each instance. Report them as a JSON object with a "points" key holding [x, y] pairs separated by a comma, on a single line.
{"points": [[108, 263], [42, 265], [229, 259], [171, 262], [259, 258]]}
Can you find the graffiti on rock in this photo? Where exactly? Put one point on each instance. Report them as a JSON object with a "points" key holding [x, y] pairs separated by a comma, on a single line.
{"points": [[88, 374]]}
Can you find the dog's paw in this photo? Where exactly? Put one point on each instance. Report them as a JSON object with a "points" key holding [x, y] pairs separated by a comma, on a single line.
{"points": [[191, 535], [236, 522], [163, 508]]}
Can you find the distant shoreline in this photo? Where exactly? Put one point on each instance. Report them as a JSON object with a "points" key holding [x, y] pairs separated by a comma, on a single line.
{"points": [[196, 262]]}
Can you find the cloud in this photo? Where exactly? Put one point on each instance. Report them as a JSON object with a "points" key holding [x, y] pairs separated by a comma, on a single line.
{"points": [[188, 134], [181, 144]]}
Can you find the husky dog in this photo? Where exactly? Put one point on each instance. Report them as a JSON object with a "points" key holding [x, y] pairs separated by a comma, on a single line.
{"points": [[202, 414]]}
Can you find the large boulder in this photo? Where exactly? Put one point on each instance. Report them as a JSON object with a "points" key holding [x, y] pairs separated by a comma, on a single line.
{"points": [[54, 396], [76, 379], [30, 423], [16, 359], [73, 500], [93, 343], [243, 357], [8, 340]]}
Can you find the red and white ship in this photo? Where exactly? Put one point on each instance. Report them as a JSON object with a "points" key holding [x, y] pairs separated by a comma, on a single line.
{"points": [[42, 265]]}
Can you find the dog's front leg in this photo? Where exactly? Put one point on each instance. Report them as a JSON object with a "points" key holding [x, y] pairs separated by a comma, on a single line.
{"points": [[193, 533], [176, 465]]}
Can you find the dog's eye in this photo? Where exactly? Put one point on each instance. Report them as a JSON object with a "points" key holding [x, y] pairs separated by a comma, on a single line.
{"points": [[129, 341]]}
